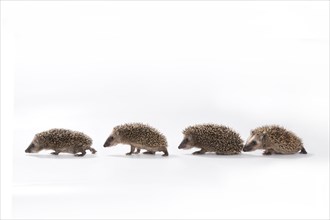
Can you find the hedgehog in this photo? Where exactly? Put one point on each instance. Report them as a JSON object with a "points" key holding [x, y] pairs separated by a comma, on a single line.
{"points": [[61, 140], [138, 136], [274, 139], [212, 138]]}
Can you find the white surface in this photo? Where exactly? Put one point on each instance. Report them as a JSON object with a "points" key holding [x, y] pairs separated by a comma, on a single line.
{"points": [[112, 185], [90, 66]]}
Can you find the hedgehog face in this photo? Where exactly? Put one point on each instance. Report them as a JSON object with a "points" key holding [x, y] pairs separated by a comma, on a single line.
{"points": [[255, 142], [187, 143], [109, 142], [33, 148], [112, 140]]}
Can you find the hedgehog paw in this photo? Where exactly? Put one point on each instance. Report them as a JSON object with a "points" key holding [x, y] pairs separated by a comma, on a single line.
{"points": [[303, 151], [267, 152], [93, 150], [129, 153], [55, 153], [165, 153], [137, 151]]}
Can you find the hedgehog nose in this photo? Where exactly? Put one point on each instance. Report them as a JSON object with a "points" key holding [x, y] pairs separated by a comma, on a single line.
{"points": [[246, 148], [182, 145]]}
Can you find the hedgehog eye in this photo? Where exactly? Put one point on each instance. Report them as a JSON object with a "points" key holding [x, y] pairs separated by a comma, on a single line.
{"points": [[253, 142]]}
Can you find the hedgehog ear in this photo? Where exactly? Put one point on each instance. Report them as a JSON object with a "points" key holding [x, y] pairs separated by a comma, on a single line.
{"points": [[263, 135]]}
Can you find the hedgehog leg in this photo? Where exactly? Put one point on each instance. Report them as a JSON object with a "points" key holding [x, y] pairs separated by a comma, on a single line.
{"points": [[82, 153], [149, 152], [55, 153], [132, 150], [202, 151], [137, 151], [268, 152], [165, 153], [92, 150], [303, 151]]}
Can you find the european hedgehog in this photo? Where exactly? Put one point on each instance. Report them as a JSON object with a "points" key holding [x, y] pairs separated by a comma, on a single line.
{"points": [[138, 136], [61, 140], [274, 139], [212, 138]]}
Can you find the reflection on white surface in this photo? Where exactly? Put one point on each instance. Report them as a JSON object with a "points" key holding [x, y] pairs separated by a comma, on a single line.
{"points": [[182, 185]]}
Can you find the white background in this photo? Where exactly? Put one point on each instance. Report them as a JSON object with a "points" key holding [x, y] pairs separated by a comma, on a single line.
{"points": [[90, 66]]}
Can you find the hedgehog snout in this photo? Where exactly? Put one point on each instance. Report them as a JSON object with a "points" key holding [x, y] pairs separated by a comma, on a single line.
{"points": [[108, 142], [247, 148], [29, 149], [183, 144]]}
